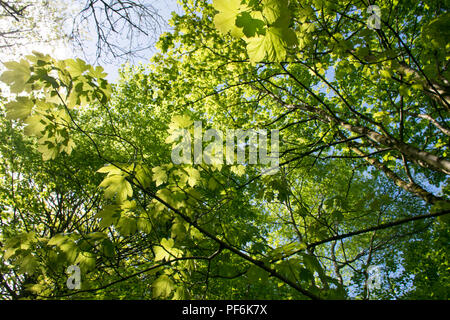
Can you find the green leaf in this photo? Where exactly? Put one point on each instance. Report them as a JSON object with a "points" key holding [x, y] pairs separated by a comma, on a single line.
{"points": [[86, 261], [28, 265], [98, 72], [440, 206], [256, 274], [108, 248], [96, 236], [9, 252], [404, 90], [70, 250], [161, 254], [306, 275], [19, 109], [385, 74], [57, 240], [178, 230], [117, 185], [273, 45], [180, 294], [166, 251], [68, 146], [109, 215], [380, 115], [313, 264], [111, 170], [142, 176], [250, 25], [126, 225], [162, 287], [48, 153], [291, 248], [34, 127], [76, 67], [21, 67], [128, 205], [17, 76], [362, 52], [238, 170], [159, 176], [194, 176], [437, 32], [274, 10], [225, 20], [180, 122], [35, 288], [212, 184], [144, 225]]}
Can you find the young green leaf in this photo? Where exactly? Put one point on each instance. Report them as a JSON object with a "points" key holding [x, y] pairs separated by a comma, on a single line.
{"points": [[162, 287], [225, 20]]}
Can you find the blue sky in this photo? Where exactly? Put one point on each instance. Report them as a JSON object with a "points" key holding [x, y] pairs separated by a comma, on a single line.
{"points": [[165, 8], [60, 50]]}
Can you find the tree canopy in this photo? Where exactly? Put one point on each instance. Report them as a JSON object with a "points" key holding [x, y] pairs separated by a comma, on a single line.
{"points": [[360, 97]]}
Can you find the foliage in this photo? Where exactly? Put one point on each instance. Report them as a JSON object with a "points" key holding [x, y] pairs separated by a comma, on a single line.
{"points": [[87, 176], [26, 23]]}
